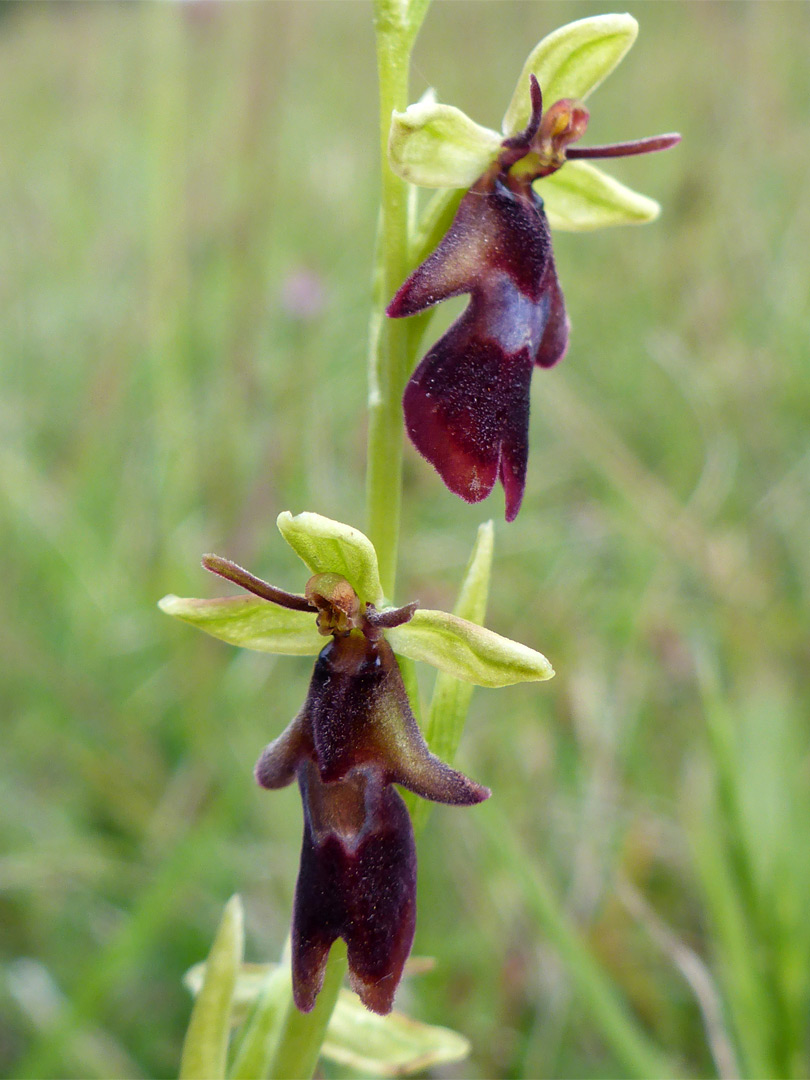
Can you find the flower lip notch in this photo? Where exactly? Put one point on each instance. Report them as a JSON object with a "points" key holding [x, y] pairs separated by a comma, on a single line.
{"points": [[466, 406]]}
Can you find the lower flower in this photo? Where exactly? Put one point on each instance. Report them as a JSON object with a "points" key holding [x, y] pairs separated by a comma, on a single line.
{"points": [[354, 738]]}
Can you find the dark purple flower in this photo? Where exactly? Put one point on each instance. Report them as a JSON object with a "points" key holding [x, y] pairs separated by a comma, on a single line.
{"points": [[354, 738], [467, 404]]}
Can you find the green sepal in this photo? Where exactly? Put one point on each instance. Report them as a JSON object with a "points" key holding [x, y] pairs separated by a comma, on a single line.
{"points": [[434, 222], [571, 62], [250, 623], [417, 9], [467, 651], [436, 145], [400, 18], [407, 670], [580, 197], [328, 546], [205, 1049]]}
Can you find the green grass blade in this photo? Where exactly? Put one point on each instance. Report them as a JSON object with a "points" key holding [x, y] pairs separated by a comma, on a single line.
{"points": [[205, 1049], [608, 1009]]}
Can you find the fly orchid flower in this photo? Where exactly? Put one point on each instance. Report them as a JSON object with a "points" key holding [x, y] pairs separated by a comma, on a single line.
{"points": [[353, 740], [467, 404]]}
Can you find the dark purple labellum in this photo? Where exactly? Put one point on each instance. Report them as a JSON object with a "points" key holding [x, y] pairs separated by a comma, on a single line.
{"points": [[357, 881], [467, 404], [354, 737]]}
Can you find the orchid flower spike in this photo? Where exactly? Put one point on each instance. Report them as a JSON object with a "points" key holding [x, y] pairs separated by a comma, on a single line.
{"points": [[467, 404]]}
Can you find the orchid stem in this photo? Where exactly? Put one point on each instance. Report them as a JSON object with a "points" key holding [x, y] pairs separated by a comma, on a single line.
{"points": [[391, 343]]}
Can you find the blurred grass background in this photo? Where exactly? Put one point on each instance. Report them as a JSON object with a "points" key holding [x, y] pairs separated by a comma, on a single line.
{"points": [[188, 204]]}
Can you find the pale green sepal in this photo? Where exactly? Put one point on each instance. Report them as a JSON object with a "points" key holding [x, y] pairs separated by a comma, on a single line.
{"points": [[407, 669], [581, 197], [437, 146], [467, 651], [328, 546], [571, 62], [249, 622], [392, 1045], [205, 1049], [434, 222]]}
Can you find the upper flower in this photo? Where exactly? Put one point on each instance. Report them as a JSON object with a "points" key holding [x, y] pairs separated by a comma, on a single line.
{"points": [[466, 406], [354, 738]]}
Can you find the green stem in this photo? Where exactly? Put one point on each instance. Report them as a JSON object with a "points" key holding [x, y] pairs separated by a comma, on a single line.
{"points": [[390, 346], [302, 1034]]}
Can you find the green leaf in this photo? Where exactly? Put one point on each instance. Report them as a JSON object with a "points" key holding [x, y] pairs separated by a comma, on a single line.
{"points": [[302, 1034], [205, 1049], [467, 651], [328, 546], [255, 1054], [417, 9], [474, 591], [451, 697], [571, 62], [250, 622], [437, 145], [251, 979], [581, 197], [392, 1045]]}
